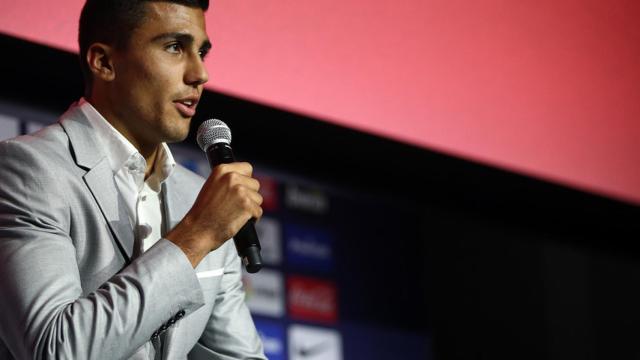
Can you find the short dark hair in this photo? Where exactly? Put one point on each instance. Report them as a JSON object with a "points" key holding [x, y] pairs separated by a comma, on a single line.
{"points": [[112, 22]]}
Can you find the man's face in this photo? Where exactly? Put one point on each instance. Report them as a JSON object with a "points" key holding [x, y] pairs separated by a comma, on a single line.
{"points": [[160, 74]]}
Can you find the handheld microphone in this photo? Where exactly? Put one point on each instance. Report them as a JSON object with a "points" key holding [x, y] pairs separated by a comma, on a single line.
{"points": [[214, 138]]}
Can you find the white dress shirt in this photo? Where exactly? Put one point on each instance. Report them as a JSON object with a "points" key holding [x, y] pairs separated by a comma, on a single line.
{"points": [[142, 198]]}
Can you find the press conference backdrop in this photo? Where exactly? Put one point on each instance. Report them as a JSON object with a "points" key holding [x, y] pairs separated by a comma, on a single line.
{"points": [[430, 254], [329, 289]]}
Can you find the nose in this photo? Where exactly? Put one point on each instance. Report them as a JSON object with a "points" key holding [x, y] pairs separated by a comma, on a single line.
{"points": [[196, 73]]}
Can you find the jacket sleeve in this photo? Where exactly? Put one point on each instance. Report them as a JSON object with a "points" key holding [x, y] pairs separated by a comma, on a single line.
{"points": [[230, 333], [43, 312]]}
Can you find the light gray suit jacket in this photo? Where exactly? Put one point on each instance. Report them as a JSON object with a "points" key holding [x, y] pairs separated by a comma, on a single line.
{"points": [[69, 288]]}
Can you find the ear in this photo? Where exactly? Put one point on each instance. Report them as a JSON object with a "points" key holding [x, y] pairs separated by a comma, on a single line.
{"points": [[100, 61]]}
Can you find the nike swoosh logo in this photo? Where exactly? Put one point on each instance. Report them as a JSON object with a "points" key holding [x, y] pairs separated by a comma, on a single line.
{"points": [[307, 351]]}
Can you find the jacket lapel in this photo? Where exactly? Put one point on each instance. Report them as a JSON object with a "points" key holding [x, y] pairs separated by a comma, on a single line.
{"points": [[174, 203], [99, 177]]}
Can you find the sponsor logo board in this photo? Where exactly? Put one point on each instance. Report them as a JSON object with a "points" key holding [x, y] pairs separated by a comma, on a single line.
{"points": [[9, 127], [312, 343], [309, 247], [32, 126], [312, 299], [308, 200], [265, 292], [191, 159], [272, 335], [269, 192], [270, 235]]}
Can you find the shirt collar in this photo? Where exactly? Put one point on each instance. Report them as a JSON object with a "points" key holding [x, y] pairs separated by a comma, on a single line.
{"points": [[163, 167], [121, 154], [117, 148]]}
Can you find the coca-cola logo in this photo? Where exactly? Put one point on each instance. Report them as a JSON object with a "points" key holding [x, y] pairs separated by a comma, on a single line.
{"points": [[319, 299], [312, 299]]}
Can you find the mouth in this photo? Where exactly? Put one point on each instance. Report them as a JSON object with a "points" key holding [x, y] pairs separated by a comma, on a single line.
{"points": [[187, 106]]}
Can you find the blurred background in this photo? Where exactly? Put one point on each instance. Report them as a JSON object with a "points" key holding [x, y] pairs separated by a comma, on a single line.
{"points": [[442, 179]]}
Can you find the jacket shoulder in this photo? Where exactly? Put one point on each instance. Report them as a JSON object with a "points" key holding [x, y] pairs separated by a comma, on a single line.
{"points": [[42, 147]]}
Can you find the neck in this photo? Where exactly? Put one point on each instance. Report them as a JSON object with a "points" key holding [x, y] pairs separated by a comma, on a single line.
{"points": [[151, 162]]}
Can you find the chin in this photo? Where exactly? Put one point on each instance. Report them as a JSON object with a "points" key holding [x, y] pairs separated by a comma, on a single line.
{"points": [[177, 136], [177, 131]]}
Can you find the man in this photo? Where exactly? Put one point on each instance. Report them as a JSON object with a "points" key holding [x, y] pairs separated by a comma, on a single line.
{"points": [[107, 249]]}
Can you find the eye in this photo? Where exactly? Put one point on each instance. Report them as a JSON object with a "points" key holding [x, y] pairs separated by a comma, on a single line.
{"points": [[203, 53], [174, 48]]}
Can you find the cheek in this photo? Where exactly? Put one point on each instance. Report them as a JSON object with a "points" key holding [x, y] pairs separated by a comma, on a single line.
{"points": [[151, 92], [133, 87], [146, 77], [149, 86], [161, 87]]}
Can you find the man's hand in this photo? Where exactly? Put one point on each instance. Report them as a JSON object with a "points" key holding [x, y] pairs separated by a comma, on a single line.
{"points": [[228, 199]]}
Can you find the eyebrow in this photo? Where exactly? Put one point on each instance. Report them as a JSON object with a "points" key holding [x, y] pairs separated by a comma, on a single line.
{"points": [[182, 37]]}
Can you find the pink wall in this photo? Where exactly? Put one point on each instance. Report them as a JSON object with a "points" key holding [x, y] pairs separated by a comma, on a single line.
{"points": [[548, 88]]}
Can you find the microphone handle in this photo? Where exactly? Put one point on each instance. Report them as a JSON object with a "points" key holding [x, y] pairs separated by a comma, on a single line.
{"points": [[246, 240]]}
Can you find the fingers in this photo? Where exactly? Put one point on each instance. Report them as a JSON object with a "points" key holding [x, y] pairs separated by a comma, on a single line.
{"points": [[235, 174], [257, 213], [225, 203], [236, 177], [256, 199], [242, 168], [251, 198], [252, 184]]}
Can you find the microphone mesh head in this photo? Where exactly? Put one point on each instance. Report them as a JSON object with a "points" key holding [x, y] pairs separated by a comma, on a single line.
{"points": [[211, 132]]}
